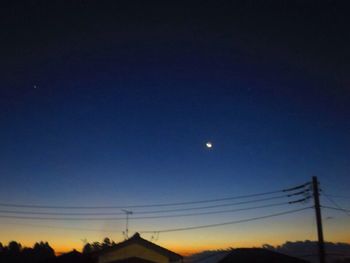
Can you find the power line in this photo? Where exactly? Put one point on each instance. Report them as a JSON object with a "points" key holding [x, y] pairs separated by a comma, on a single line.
{"points": [[290, 192], [55, 213], [297, 187], [336, 204], [225, 223], [300, 200], [347, 211], [154, 205], [304, 192], [138, 206], [153, 217], [216, 206], [146, 212], [59, 227], [108, 231], [61, 218], [215, 212], [339, 196]]}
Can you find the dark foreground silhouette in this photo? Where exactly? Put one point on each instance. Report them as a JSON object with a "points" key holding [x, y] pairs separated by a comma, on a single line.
{"points": [[14, 253], [42, 252]]}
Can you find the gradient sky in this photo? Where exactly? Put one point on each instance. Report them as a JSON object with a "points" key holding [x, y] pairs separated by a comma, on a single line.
{"points": [[107, 103]]}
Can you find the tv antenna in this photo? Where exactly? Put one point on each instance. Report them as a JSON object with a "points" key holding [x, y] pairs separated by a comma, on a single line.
{"points": [[127, 213]]}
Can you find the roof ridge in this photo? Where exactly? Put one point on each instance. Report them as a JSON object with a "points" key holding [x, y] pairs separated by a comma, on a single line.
{"points": [[136, 238]]}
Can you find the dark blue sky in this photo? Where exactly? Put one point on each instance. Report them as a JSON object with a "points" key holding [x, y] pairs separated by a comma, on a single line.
{"points": [[107, 103]]}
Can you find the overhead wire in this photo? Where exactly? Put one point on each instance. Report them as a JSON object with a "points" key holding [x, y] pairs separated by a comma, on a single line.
{"points": [[225, 223], [335, 204], [61, 227], [164, 230], [297, 187], [336, 208], [153, 205], [339, 196], [151, 217], [216, 212], [146, 212], [289, 192]]}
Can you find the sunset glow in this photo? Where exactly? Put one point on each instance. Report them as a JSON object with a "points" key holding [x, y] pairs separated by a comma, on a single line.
{"points": [[208, 126]]}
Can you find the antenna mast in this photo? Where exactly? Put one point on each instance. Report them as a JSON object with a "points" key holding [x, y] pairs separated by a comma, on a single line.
{"points": [[127, 213]]}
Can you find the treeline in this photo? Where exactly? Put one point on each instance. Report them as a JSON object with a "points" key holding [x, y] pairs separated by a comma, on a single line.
{"points": [[97, 246], [42, 252], [15, 253]]}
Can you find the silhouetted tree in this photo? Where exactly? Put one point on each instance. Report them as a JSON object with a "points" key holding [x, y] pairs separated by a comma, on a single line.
{"points": [[106, 242], [87, 248], [43, 251], [27, 255], [14, 247], [97, 246], [14, 253]]}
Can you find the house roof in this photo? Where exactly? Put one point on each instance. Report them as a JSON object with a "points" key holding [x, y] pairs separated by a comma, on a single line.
{"points": [[258, 255], [137, 239], [72, 257], [132, 260]]}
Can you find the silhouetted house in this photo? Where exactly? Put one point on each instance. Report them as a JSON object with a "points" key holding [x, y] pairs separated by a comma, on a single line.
{"points": [[138, 250], [258, 255], [72, 257]]}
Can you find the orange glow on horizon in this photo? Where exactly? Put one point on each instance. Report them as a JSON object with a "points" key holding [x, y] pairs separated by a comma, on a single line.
{"points": [[61, 248], [184, 243]]}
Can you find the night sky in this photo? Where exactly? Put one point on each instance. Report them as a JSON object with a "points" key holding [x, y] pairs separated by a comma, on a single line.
{"points": [[111, 103]]}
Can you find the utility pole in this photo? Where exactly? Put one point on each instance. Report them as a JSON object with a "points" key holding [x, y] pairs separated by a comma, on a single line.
{"points": [[321, 250], [127, 213]]}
